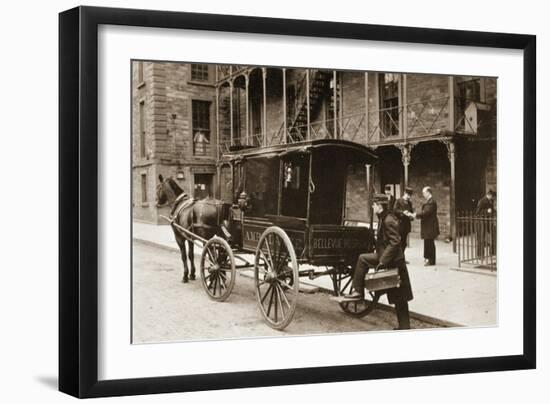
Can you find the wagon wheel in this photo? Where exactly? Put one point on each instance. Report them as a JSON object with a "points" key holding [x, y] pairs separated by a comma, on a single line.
{"points": [[342, 282], [276, 277], [217, 269]]}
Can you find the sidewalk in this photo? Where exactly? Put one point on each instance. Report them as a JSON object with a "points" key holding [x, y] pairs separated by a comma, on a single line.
{"points": [[449, 296]]}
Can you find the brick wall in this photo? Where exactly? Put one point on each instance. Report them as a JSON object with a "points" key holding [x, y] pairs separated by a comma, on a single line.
{"points": [[274, 98], [374, 106], [353, 104], [224, 108], [491, 169], [430, 167], [240, 115], [427, 103], [226, 191]]}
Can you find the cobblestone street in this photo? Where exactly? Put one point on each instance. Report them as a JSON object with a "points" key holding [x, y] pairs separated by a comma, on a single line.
{"points": [[165, 309]]}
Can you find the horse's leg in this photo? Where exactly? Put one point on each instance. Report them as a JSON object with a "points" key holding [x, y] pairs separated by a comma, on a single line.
{"points": [[192, 259], [185, 278], [181, 244]]}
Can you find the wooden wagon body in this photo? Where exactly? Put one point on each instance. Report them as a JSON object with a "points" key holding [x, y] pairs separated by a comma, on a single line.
{"points": [[301, 188]]}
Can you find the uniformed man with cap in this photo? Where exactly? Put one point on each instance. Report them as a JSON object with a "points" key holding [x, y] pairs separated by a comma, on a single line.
{"points": [[391, 198], [388, 255], [403, 210]]}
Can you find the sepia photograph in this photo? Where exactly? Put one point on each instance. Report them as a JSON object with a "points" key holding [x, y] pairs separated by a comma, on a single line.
{"points": [[285, 201]]}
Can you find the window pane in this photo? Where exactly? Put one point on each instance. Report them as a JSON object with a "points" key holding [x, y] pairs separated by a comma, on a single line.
{"points": [[199, 72], [389, 97], [201, 127]]}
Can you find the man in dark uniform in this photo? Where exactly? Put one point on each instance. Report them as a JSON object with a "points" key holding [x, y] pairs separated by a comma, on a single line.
{"points": [[486, 205], [486, 233], [388, 255], [429, 225], [402, 210], [391, 198]]}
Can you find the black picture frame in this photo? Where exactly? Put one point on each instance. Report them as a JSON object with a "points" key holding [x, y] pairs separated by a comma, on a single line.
{"points": [[78, 196]]}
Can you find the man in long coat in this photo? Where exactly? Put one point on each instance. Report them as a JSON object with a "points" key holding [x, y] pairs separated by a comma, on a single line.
{"points": [[429, 225], [485, 231], [388, 255], [403, 210]]}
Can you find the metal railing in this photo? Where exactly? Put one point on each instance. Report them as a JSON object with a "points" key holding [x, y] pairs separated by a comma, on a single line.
{"points": [[476, 240], [224, 72], [349, 128], [423, 118]]}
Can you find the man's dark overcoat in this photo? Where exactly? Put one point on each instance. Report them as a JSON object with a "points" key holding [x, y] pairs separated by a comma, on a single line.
{"points": [[429, 224], [401, 206], [390, 255]]}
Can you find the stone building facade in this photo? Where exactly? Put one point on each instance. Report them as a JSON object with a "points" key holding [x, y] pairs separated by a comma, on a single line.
{"points": [[427, 129], [173, 132]]}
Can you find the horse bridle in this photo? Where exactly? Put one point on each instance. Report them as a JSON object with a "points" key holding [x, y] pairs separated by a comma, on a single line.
{"points": [[182, 196], [165, 203]]}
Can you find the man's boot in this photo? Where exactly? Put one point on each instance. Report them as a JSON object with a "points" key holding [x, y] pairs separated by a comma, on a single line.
{"points": [[403, 319]]}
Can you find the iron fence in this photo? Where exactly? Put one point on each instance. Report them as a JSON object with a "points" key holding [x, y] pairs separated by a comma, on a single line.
{"points": [[476, 240]]}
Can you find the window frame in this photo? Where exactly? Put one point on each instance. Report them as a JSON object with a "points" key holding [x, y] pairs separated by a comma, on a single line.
{"points": [[194, 127], [385, 122], [202, 69]]}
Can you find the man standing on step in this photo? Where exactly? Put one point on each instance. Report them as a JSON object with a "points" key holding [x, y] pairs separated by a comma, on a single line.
{"points": [[388, 255]]}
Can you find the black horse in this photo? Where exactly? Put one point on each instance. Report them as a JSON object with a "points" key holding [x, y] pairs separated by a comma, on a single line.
{"points": [[203, 218]]}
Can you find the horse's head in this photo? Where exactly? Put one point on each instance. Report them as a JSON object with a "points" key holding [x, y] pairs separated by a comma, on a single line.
{"points": [[162, 192], [167, 191]]}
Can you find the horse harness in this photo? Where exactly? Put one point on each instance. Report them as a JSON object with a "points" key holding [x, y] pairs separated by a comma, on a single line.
{"points": [[184, 201]]}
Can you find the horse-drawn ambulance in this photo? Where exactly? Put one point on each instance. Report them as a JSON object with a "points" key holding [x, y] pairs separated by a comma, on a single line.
{"points": [[289, 210]]}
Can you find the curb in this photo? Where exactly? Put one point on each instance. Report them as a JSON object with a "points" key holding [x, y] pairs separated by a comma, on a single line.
{"points": [[485, 272], [417, 316], [313, 288]]}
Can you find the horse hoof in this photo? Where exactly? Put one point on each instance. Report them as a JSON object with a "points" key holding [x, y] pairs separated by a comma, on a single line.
{"points": [[192, 277], [185, 280]]}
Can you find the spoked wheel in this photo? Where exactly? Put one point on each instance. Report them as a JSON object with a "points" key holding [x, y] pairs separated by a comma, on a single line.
{"points": [[217, 269], [276, 277], [342, 281]]}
